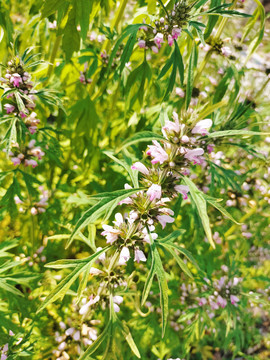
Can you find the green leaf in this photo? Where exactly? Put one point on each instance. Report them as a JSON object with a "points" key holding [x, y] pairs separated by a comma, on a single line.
{"points": [[177, 64], [190, 77], [71, 37], [200, 202], [51, 6], [179, 261], [106, 204], [129, 339], [145, 136], [6, 286], [133, 174], [83, 9], [215, 202], [225, 133], [257, 39], [163, 287], [96, 344], [157, 269], [73, 263], [212, 19], [19, 101], [65, 284]]}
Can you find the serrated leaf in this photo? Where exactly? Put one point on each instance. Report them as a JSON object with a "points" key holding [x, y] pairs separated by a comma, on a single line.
{"points": [[200, 203], [71, 37], [133, 174], [145, 136], [225, 133], [106, 203]]}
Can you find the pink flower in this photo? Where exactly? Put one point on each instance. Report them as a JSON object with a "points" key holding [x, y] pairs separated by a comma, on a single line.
{"points": [[193, 155], [234, 300], [32, 129], [179, 92], [16, 80], [142, 44], [202, 301], [202, 127], [154, 192], [23, 114], [183, 190], [158, 40], [37, 152], [164, 219], [16, 161], [17, 200], [124, 256], [31, 162], [210, 148], [226, 51], [9, 108], [172, 126], [170, 40], [176, 32], [110, 233], [34, 211], [140, 167], [139, 256], [157, 152], [154, 49], [221, 301], [31, 143]]}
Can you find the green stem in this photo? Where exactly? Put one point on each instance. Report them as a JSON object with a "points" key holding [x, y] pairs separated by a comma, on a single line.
{"points": [[53, 55], [259, 93]]}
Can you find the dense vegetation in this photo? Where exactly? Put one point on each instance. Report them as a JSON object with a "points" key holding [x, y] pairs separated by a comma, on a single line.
{"points": [[134, 211]]}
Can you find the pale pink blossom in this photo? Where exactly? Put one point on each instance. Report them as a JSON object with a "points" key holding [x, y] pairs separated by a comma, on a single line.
{"points": [[176, 32], [124, 256], [179, 92], [139, 256], [202, 127], [34, 211], [202, 301], [140, 167], [221, 301], [142, 44], [172, 126], [37, 152], [234, 300], [110, 233], [183, 190], [30, 162], [9, 108], [164, 219], [154, 49], [194, 155], [16, 80], [158, 40], [157, 152], [226, 51], [16, 161], [170, 40], [117, 299], [154, 192]]}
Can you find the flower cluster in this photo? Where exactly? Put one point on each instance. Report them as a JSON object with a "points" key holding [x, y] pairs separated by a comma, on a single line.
{"points": [[18, 90], [37, 257], [166, 28], [225, 291], [83, 76], [28, 155], [70, 338], [170, 161]]}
